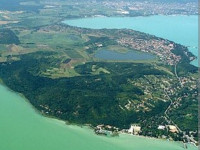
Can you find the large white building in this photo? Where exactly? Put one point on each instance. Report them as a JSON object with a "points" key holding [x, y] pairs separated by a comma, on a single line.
{"points": [[134, 129]]}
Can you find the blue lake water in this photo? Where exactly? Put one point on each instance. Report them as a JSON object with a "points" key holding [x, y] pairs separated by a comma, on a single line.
{"points": [[180, 29], [22, 128]]}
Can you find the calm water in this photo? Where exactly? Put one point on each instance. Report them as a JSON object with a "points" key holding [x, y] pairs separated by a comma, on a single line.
{"points": [[22, 128], [180, 29], [130, 55]]}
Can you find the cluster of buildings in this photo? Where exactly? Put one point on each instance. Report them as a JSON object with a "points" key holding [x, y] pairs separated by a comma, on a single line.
{"points": [[46, 110], [134, 129], [106, 130], [153, 8], [170, 128], [109, 130], [161, 48]]}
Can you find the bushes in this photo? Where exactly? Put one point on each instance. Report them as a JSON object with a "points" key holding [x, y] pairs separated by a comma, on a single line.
{"points": [[93, 99], [8, 37]]}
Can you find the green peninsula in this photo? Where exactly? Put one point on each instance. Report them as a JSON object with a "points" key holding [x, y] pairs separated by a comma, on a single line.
{"points": [[54, 66]]}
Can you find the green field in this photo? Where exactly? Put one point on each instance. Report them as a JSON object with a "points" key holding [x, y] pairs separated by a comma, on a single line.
{"points": [[53, 66]]}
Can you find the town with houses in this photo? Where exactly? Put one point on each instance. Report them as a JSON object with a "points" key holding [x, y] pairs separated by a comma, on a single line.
{"points": [[161, 48], [137, 8], [172, 89]]}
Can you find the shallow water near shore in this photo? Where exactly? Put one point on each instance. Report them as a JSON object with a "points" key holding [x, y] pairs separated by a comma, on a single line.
{"points": [[180, 29], [23, 128]]}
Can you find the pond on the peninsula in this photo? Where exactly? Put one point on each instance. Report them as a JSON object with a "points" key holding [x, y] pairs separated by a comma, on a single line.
{"points": [[179, 28]]}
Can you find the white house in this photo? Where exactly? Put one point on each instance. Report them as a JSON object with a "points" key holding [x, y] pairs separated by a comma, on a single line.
{"points": [[134, 129], [161, 127], [172, 128]]}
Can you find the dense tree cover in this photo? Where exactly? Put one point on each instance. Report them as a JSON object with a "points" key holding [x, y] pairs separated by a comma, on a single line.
{"points": [[184, 65], [84, 99], [186, 115], [128, 70], [7, 36]]}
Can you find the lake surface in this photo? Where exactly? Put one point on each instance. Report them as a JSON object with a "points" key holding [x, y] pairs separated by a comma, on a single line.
{"points": [[180, 29], [130, 55], [22, 128]]}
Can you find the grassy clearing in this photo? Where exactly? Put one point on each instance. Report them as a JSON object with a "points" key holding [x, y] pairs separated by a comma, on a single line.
{"points": [[60, 72], [74, 54], [117, 48], [96, 71], [164, 69]]}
